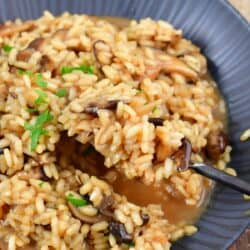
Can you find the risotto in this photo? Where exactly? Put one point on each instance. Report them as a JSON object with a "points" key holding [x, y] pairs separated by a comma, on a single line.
{"points": [[98, 117]]}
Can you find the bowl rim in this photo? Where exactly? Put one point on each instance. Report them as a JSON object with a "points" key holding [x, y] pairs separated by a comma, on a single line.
{"points": [[245, 23]]}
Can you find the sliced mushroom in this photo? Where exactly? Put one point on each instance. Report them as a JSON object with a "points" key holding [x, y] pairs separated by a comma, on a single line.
{"points": [[119, 231], [157, 121], [184, 154], [37, 44], [8, 30], [93, 108], [175, 65], [24, 55], [145, 218], [46, 64], [60, 34], [4, 209], [106, 207], [12, 69], [88, 219], [216, 144]]}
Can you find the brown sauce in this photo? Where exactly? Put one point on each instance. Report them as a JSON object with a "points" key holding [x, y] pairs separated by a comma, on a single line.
{"points": [[175, 209]]}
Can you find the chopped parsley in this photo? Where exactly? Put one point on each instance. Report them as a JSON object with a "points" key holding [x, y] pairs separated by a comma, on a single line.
{"points": [[41, 99], [155, 109], [128, 245], [61, 92], [7, 48], [40, 82], [78, 202], [37, 129], [85, 69], [41, 184], [24, 72], [31, 110]]}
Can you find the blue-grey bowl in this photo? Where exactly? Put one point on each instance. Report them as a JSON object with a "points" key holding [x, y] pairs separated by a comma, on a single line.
{"points": [[224, 37]]}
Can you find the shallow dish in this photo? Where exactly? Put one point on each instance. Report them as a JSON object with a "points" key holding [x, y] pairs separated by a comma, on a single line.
{"points": [[224, 37]]}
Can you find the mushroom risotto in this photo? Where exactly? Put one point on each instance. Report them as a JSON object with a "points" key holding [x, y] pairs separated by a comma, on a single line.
{"points": [[97, 118]]}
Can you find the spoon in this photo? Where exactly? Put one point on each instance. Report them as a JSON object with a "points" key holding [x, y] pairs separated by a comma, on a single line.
{"points": [[217, 175]]}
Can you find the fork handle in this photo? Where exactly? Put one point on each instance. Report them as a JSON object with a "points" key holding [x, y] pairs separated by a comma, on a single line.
{"points": [[231, 181]]}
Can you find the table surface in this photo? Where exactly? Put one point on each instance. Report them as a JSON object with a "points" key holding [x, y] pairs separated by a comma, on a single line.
{"points": [[243, 243]]}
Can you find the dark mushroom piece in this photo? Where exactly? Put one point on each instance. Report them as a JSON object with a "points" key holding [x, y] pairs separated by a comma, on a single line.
{"points": [[12, 69], [1, 151], [119, 231], [145, 218], [37, 44], [184, 153], [216, 144], [24, 55], [157, 121], [93, 108], [106, 207], [47, 64]]}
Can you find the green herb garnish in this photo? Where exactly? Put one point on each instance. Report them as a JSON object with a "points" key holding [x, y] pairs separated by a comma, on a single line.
{"points": [[154, 109], [24, 72], [31, 110], [61, 92], [39, 81], [85, 69], [37, 129], [7, 48], [41, 99], [78, 202], [128, 245], [41, 184]]}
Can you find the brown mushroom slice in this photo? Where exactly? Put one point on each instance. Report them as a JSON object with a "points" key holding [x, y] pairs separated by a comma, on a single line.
{"points": [[106, 207], [60, 34], [175, 65], [4, 209], [8, 30], [88, 219], [93, 108], [119, 231], [157, 121], [47, 64], [216, 144], [24, 55], [37, 44], [184, 155]]}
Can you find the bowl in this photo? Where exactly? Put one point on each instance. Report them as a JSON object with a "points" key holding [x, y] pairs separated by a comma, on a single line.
{"points": [[224, 37]]}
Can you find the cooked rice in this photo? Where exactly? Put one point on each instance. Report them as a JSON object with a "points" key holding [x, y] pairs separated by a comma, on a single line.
{"points": [[150, 71], [245, 135]]}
